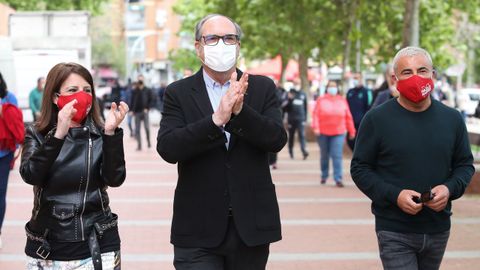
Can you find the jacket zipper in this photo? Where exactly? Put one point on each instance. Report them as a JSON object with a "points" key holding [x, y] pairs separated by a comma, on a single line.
{"points": [[86, 186]]}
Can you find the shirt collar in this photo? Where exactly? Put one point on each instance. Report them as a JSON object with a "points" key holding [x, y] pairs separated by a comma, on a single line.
{"points": [[211, 83]]}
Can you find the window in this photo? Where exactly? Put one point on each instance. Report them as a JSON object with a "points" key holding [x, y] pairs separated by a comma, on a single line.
{"points": [[135, 17]]}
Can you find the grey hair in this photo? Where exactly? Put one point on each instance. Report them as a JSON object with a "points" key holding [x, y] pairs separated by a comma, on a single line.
{"points": [[199, 25], [411, 51]]}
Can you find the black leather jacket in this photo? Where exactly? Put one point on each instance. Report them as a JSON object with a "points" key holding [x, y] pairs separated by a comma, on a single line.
{"points": [[70, 179]]}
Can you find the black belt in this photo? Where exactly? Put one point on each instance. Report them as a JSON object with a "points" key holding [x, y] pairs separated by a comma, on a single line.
{"points": [[97, 232], [44, 249], [95, 251]]}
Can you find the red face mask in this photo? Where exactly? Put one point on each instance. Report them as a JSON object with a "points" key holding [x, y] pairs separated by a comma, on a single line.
{"points": [[83, 106], [415, 88]]}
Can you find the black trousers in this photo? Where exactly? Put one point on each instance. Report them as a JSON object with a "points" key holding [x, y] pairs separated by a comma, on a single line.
{"points": [[232, 254], [294, 126], [351, 143], [139, 117]]}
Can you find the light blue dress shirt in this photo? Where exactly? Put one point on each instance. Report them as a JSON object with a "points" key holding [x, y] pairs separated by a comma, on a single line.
{"points": [[215, 93]]}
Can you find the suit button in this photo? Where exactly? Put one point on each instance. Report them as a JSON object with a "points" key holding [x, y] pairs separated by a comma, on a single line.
{"points": [[228, 165], [225, 193]]}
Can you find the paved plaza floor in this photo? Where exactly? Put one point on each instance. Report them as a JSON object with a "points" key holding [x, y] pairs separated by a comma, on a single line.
{"points": [[324, 227]]}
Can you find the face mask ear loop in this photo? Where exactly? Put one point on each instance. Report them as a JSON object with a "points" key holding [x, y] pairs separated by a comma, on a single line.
{"points": [[58, 95], [203, 46]]}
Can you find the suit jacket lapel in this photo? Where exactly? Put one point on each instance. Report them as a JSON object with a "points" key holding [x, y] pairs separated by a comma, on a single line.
{"points": [[200, 95]]}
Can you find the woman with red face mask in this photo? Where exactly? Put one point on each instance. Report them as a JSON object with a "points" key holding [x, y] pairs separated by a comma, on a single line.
{"points": [[71, 157]]}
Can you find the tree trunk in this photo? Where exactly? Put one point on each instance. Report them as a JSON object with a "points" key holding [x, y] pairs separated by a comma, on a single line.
{"points": [[303, 70], [358, 49], [471, 60], [283, 69], [411, 27], [346, 61], [351, 12]]}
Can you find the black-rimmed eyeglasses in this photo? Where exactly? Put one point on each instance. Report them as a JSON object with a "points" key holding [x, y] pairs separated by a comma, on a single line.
{"points": [[212, 40]]}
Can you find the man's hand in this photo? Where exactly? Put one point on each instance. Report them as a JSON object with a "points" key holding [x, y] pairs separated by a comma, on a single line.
{"points": [[242, 86], [406, 203], [440, 198], [65, 119], [224, 111]]}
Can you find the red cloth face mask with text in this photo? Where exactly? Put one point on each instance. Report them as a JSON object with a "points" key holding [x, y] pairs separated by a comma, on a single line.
{"points": [[83, 105], [415, 88]]}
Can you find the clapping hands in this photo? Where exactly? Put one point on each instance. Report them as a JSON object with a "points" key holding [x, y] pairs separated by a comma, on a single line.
{"points": [[232, 101]]}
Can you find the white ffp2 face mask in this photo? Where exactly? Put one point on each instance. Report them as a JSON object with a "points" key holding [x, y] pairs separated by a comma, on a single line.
{"points": [[220, 57]]}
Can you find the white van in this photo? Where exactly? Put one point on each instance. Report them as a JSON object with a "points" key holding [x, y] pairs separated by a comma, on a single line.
{"points": [[467, 100]]}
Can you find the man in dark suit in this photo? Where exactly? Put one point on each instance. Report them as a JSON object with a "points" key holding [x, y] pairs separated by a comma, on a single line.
{"points": [[219, 126]]}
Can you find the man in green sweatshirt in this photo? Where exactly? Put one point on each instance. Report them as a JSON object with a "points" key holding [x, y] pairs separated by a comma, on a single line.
{"points": [[35, 98], [412, 159]]}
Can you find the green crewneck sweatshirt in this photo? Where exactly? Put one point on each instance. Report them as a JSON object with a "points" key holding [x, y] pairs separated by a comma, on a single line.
{"points": [[35, 100], [398, 149]]}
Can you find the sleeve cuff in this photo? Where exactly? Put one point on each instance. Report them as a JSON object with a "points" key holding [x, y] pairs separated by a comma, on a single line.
{"points": [[451, 188], [214, 131], [114, 139], [392, 194]]}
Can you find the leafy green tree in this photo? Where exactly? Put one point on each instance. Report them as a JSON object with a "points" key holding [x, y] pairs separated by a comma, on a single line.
{"points": [[184, 59], [191, 12], [93, 6], [107, 50], [294, 29], [286, 28]]}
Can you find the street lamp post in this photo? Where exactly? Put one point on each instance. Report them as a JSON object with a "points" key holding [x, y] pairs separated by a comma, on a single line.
{"points": [[131, 51]]}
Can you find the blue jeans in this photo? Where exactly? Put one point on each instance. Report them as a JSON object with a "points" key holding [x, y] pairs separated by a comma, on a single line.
{"points": [[4, 172], [331, 147], [411, 250]]}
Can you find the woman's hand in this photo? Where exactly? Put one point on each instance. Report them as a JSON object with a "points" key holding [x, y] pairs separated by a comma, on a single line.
{"points": [[65, 119], [115, 117]]}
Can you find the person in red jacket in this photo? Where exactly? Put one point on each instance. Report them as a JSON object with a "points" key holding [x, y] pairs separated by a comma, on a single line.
{"points": [[331, 119], [11, 134]]}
